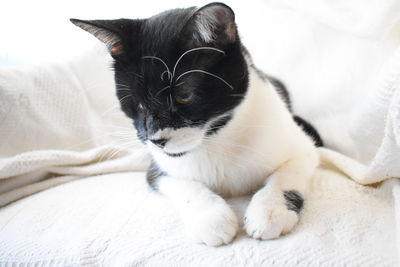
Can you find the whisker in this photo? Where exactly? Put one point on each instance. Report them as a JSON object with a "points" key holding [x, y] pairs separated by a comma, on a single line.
{"points": [[162, 61], [169, 75], [205, 72], [163, 89], [123, 89], [122, 85], [192, 50], [153, 98], [115, 148], [123, 98], [108, 110], [170, 101], [134, 73], [179, 84]]}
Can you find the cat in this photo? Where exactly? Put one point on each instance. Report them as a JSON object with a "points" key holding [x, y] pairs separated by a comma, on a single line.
{"points": [[215, 125]]}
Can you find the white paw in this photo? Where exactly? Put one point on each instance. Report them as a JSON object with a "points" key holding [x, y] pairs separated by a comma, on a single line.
{"points": [[269, 220], [213, 226]]}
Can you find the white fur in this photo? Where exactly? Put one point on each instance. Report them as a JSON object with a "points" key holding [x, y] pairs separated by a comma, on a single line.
{"points": [[261, 139], [267, 216], [181, 140], [207, 217], [205, 28]]}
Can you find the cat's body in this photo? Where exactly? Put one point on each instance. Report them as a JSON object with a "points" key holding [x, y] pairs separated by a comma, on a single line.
{"points": [[214, 124], [255, 142]]}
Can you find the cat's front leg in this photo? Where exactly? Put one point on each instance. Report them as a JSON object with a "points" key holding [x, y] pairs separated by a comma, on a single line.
{"points": [[207, 217], [274, 210]]}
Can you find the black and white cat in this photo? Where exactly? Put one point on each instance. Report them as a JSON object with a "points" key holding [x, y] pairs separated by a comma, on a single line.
{"points": [[215, 125]]}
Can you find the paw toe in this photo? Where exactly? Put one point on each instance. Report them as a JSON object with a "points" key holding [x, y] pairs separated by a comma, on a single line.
{"points": [[270, 223]]}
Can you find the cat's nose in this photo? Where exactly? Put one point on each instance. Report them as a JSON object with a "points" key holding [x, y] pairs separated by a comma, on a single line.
{"points": [[159, 142]]}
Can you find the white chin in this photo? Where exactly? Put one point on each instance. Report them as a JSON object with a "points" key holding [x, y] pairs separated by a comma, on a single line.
{"points": [[182, 146], [175, 151], [181, 140]]}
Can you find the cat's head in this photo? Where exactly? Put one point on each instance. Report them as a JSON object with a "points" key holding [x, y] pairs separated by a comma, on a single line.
{"points": [[179, 74]]}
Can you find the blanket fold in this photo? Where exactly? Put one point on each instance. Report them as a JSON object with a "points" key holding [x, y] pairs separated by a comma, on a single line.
{"points": [[60, 123]]}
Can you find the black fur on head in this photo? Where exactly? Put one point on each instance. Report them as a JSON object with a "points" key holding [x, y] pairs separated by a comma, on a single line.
{"points": [[180, 68]]}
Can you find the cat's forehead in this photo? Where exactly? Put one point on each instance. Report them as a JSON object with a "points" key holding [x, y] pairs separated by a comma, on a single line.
{"points": [[164, 29]]}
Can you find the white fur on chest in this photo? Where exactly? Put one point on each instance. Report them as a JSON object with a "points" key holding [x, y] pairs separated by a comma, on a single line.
{"points": [[239, 157], [224, 170]]}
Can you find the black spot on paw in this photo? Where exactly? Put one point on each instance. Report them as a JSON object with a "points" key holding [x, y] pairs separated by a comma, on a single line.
{"points": [[294, 200]]}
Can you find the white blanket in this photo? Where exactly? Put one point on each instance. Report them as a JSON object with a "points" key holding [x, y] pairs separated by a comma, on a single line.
{"points": [[113, 220], [61, 122]]}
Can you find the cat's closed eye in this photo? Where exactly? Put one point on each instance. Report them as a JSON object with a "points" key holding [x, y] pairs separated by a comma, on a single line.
{"points": [[184, 99]]}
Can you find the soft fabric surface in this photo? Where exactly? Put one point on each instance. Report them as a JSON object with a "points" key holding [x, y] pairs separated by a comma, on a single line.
{"points": [[61, 122], [113, 220], [374, 133]]}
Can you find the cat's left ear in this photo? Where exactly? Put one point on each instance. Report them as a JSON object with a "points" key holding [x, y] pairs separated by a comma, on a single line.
{"points": [[110, 32], [212, 24]]}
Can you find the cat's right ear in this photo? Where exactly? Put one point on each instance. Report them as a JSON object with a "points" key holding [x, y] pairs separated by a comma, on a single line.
{"points": [[211, 24], [110, 32]]}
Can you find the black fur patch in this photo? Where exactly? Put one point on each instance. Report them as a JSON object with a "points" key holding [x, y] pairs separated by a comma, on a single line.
{"points": [[284, 94], [309, 129], [279, 86], [153, 66], [294, 200], [153, 173], [148, 76], [281, 89]]}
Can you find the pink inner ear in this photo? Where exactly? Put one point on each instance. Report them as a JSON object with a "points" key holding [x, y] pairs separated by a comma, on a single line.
{"points": [[227, 20], [231, 31], [116, 49], [216, 23]]}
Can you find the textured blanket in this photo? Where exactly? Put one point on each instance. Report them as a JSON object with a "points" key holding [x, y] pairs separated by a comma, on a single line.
{"points": [[61, 122]]}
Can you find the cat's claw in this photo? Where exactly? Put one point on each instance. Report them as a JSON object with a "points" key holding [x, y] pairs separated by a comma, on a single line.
{"points": [[214, 226], [269, 222]]}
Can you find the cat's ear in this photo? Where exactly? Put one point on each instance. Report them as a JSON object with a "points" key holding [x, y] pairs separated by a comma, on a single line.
{"points": [[212, 24], [108, 31]]}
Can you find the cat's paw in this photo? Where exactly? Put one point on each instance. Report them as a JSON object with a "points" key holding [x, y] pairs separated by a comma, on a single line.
{"points": [[213, 226], [269, 220]]}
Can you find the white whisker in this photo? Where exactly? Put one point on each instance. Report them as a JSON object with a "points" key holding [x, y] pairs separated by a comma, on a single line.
{"points": [[122, 85], [170, 101], [108, 110], [205, 72], [123, 89], [123, 98], [192, 50], [163, 62], [169, 75], [179, 84], [163, 89]]}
